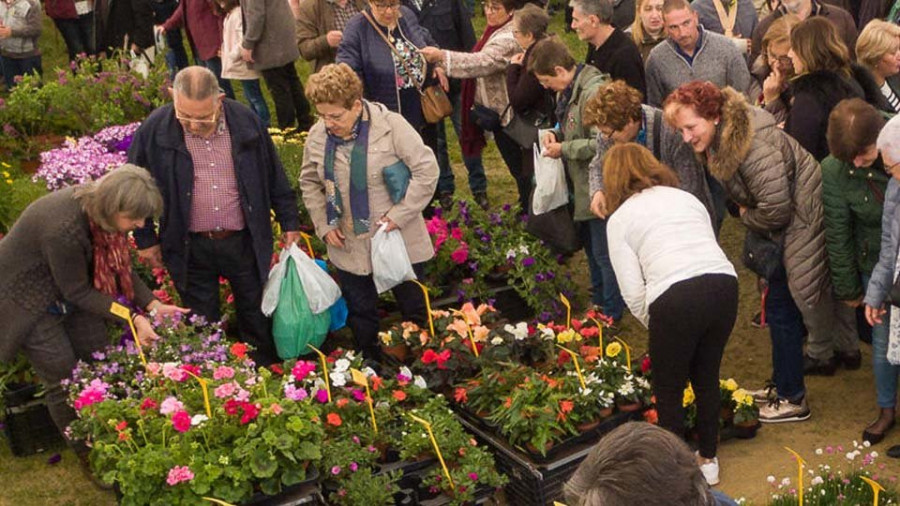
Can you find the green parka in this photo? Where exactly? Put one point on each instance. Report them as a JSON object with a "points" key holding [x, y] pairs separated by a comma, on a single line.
{"points": [[853, 199]]}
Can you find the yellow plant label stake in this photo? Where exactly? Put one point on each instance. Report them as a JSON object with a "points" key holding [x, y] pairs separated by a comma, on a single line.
{"points": [[566, 303], [468, 328], [360, 379], [437, 449], [205, 392], [305, 237], [577, 367], [324, 369], [123, 313], [627, 352], [599, 333], [800, 464], [217, 501], [427, 306], [875, 488]]}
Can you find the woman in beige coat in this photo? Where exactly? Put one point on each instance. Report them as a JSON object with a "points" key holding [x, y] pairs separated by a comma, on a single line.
{"points": [[349, 153], [484, 89]]}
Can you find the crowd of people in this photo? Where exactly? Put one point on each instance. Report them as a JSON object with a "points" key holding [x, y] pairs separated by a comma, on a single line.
{"points": [[775, 112]]}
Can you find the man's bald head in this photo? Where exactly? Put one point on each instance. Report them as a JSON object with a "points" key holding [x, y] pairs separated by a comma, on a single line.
{"points": [[195, 83]]}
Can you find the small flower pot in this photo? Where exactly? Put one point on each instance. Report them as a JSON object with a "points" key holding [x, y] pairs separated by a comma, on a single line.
{"points": [[626, 406], [606, 413], [726, 414], [400, 352], [588, 426], [534, 449], [746, 430]]}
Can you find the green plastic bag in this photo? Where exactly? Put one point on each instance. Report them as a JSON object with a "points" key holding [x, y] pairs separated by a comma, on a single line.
{"points": [[293, 324]]}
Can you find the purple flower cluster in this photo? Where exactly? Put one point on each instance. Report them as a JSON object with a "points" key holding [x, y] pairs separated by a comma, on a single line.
{"points": [[86, 159]]}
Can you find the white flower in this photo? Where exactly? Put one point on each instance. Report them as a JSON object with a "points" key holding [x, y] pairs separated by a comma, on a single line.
{"points": [[520, 331], [786, 482], [866, 444], [851, 455], [770, 479], [510, 254], [585, 391], [874, 454], [642, 382], [817, 481], [342, 365], [405, 372], [419, 382], [626, 389], [338, 379], [547, 334], [198, 419], [369, 372], [818, 451], [523, 249], [497, 341]]}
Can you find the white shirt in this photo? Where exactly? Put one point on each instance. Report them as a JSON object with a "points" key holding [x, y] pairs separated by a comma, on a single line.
{"points": [[657, 238]]}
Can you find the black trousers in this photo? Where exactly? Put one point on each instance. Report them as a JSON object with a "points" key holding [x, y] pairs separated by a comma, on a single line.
{"points": [[233, 259], [689, 326], [291, 105], [362, 299], [513, 155]]}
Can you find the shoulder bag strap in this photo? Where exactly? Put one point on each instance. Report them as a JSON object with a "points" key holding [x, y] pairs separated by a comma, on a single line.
{"points": [[657, 132], [393, 49], [728, 19]]}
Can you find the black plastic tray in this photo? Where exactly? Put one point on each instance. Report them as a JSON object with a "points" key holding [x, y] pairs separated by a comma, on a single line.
{"points": [[30, 430], [306, 492]]}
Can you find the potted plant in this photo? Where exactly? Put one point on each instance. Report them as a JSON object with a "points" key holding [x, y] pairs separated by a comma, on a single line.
{"points": [[746, 414], [365, 487]]}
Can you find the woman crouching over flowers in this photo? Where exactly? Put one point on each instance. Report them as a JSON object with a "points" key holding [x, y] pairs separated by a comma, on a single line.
{"points": [[351, 158], [64, 262], [677, 281]]}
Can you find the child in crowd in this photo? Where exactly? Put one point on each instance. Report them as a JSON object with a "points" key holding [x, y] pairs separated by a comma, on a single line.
{"points": [[20, 28], [233, 67]]}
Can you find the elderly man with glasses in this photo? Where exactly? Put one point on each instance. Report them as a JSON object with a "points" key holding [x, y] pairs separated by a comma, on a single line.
{"points": [[220, 178]]}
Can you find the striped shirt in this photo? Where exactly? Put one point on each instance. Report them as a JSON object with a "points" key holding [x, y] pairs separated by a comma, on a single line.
{"points": [[216, 201], [891, 97]]}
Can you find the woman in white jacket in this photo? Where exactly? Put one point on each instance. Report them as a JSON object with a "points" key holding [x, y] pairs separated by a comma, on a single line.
{"points": [[233, 66], [677, 281]]}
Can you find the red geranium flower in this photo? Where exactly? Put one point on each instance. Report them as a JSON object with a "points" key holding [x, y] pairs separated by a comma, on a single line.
{"points": [[239, 350], [121, 426], [400, 395], [149, 404], [461, 395], [181, 420], [441, 358], [251, 411], [334, 419], [231, 407]]}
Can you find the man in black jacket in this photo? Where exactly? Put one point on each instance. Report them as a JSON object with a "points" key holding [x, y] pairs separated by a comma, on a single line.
{"points": [[220, 177], [450, 24], [609, 48]]}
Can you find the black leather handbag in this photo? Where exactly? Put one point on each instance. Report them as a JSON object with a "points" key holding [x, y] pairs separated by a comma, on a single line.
{"points": [[762, 255], [485, 118]]}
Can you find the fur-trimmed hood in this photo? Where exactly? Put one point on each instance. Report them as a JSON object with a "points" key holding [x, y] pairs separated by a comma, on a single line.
{"points": [[739, 123]]}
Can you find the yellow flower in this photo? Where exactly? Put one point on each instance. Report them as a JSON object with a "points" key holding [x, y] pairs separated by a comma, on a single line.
{"points": [[566, 336], [9, 181], [6, 165], [5, 174], [742, 397], [613, 349], [730, 384], [688, 396], [385, 338]]}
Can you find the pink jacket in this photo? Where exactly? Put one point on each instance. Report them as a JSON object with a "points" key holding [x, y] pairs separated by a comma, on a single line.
{"points": [[233, 67]]}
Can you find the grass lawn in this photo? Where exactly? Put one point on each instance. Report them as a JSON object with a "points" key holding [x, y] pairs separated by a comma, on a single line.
{"points": [[841, 405]]}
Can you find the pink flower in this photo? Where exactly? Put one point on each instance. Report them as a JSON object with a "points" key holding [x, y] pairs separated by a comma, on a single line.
{"points": [[456, 233], [223, 372], [173, 372], [322, 395], [153, 369], [170, 405], [358, 395], [473, 476], [276, 408], [302, 369], [354, 466], [179, 474], [336, 470], [94, 393], [293, 393], [225, 390], [460, 255], [181, 420], [242, 395]]}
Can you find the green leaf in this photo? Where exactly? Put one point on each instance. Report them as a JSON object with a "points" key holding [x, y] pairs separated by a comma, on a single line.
{"points": [[263, 464]]}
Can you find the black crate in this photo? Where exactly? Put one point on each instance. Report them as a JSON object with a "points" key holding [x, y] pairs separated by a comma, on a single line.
{"points": [[306, 493], [540, 483], [29, 429]]}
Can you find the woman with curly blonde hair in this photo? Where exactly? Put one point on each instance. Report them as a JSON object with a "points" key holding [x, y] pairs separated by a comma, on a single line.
{"points": [[364, 167], [676, 281]]}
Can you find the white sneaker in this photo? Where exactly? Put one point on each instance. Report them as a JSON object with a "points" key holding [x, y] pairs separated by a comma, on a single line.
{"points": [[710, 471]]}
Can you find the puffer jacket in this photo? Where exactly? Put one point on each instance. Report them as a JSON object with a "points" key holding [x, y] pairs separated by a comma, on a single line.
{"points": [[766, 171], [854, 202], [488, 67]]}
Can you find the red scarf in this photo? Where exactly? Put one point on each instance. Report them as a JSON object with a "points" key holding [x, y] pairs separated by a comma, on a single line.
{"points": [[472, 140], [112, 263]]}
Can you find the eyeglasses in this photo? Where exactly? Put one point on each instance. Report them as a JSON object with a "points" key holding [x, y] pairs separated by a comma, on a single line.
{"points": [[890, 169], [385, 7], [206, 120], [332, 118]]}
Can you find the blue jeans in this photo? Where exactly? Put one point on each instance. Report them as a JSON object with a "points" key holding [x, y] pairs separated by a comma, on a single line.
{"points": [[253, 94], [786, 331], [474, 165], [215, 64], [176, 56], [886, 374], [78, 34], [13, 67], [597, 249]]}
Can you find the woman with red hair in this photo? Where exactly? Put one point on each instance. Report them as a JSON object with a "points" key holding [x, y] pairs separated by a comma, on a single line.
{"points": [[777, 186]]}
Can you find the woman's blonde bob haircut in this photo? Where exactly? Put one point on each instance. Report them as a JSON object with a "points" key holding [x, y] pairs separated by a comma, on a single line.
{"points": [[129, 191], [631, 168], [336, 84], [877, 39]]}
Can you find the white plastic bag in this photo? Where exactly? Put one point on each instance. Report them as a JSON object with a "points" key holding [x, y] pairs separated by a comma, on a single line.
{"points": [[550, 190], [273, 285], [321, 291], [390, 260]]}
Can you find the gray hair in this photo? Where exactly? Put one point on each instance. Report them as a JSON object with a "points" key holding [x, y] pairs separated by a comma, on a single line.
{"points": [[128, 190], [603, 9], [196, 83], [889, 139], [638, 463]]}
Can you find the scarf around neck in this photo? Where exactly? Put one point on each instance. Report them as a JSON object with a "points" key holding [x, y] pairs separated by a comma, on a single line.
{"points": [[359, 190], [112, 262]]}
